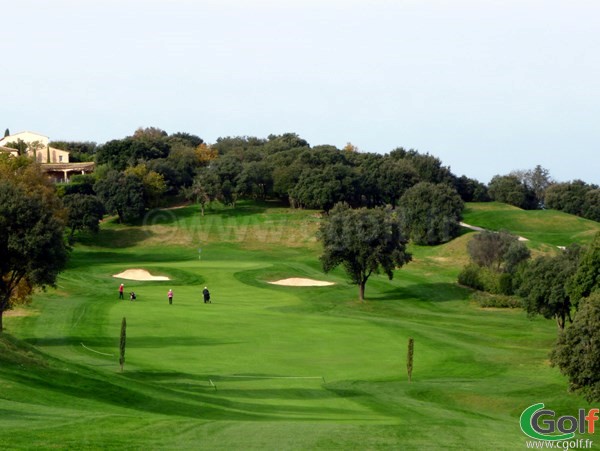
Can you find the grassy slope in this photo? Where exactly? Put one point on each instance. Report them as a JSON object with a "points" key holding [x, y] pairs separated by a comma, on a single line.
{"points": [[540, 226], [475, 370]]}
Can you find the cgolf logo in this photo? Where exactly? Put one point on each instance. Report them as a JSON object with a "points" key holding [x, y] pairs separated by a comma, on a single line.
{"points": [[540, 424]]}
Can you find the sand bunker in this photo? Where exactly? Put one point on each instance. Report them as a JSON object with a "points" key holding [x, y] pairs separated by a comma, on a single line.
{"points": [[139, 274], [299, 282]]}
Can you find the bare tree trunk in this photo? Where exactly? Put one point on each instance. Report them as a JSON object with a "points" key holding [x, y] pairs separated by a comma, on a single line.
{"points": [[361, 291], [560, 322]]}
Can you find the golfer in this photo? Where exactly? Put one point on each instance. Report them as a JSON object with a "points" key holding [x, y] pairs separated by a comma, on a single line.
{"points": [[170, 296], [206, 294], [121, 287]]}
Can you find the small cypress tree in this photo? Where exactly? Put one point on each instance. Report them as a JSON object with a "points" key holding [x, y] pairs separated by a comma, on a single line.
{"points": [[122, 343], [409, 360], [6, 132]]}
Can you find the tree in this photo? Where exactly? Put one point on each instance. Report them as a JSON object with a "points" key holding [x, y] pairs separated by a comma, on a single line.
{"points": [[592, 205], [495, 260], [206, 154], [431, 213], [577, 350], [538, 180], [324, 187], [409, 358], [428, 167], [116, 153], [153, 183], [511, 190], [122, 343], [122, 194], [500, 251], [586, 279], [542, 286], [395, 177], [576, 197], [471, 190], [20, 146], [6, 132], [364, 241], [255, 180], [185, 139], [80, 184], [349, 147], [84, 212], [32, 246], [204, 189]]}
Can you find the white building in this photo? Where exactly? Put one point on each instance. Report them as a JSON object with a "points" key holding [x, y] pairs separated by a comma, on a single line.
{"points": [[38, 146]]}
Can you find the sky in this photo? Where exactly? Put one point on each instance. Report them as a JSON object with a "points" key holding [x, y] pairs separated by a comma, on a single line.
{"points": [[487, 86]]}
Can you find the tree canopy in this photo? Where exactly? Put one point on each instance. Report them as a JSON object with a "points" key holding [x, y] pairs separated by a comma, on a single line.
{"points": [[431, 213], [84, 212], [586, 279], [122, 194], [510, 189], [543, 285], [364, 241], [577, 350], [32, 242]]}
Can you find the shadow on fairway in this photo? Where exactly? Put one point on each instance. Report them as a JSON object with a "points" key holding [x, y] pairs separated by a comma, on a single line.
{"points": [[115, 238], [132, 342], [432, 292], [246, 210]]}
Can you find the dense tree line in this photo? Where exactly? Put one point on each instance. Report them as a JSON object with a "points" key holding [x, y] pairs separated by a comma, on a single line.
{"points": [[534, 189], [576, 197], [283, 167]]}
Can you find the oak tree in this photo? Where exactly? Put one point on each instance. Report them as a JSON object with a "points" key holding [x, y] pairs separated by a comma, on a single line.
{"points": [[364, 241]]}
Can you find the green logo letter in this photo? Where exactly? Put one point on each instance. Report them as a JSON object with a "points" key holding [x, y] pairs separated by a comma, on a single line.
{"points": [[531, 430]]}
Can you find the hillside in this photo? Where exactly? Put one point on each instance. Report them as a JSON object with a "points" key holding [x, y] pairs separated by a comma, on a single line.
{"points": [[539, 226], [266, 366]]}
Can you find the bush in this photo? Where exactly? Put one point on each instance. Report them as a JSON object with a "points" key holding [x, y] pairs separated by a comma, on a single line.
{"points": [[469, 277], [487, 300], [485, 279]]}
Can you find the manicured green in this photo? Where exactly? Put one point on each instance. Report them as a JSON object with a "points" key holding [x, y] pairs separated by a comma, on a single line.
{"points": [[540, 226], [266, 366]]}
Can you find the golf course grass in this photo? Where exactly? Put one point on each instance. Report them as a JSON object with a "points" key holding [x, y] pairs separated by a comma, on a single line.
{"points": [[267, 366]]}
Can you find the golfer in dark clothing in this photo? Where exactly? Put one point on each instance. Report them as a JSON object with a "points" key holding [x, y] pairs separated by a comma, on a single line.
{"points": [[206, 294]]}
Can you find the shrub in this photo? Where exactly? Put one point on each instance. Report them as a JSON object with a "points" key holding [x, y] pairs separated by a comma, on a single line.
{"points": [[469, 277], [487, 300]]}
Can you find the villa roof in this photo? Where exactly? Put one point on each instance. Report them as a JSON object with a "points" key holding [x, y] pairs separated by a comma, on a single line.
{"points": [[86, 166]]}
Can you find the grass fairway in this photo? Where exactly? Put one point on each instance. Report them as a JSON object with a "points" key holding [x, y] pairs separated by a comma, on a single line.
{"points": [[265, 366], [542, 227]]}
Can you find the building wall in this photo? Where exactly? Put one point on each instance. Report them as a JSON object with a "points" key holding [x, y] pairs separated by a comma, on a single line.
{"points": [[43, 153], [27, 137]]}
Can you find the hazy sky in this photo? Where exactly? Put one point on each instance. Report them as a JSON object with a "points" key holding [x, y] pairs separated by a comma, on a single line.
{"points": [[487, 86]]}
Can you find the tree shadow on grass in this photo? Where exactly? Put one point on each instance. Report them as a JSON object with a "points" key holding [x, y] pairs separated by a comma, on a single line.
{"points": [[430, 292], [132, 342], [116, 238], [82, 259]]}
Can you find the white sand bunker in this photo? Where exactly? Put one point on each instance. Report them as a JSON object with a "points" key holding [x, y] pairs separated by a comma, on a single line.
{"points": [[139, 274], [299, 282]]}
